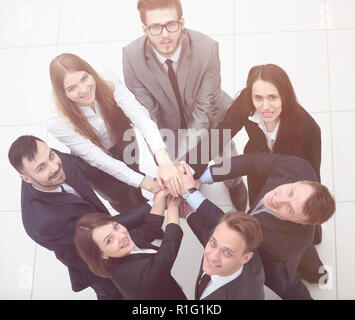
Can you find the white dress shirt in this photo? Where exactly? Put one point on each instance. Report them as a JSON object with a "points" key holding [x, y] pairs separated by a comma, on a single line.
{"points": [[63, 130], [174, 58], [66, 188], [218, 281], [270, 136]]}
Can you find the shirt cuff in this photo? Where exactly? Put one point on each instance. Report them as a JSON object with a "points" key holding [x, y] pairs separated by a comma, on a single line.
{"points": [[206, 176], [136, 178], [150, 178], [150, 202], [195, 199]]}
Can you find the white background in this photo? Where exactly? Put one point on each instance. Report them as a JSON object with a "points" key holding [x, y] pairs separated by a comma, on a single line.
{"points": [[313, 40]]}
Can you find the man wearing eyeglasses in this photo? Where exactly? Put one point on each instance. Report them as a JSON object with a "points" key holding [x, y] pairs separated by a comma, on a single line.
{"points": [[175, 73]]}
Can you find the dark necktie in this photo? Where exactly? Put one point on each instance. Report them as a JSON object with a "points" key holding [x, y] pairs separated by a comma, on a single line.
{"points": [[203, 284], [62, 188], [174, 84]]}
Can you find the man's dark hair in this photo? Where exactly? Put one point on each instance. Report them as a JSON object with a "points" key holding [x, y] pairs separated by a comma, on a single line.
{"points": [[23, 147], [320, 206]]}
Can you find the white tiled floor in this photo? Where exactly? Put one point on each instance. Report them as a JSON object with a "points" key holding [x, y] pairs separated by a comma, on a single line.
{"points": [[341, 69], [216, 19], [29, 23], [314, 41], [278, 15]]}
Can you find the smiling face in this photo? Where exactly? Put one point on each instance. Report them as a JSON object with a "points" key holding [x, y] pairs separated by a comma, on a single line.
{"points": [[166, 42], [224, 253], [113, 239], [287, 201], [45, 171], [80, 88], [267, 102]]}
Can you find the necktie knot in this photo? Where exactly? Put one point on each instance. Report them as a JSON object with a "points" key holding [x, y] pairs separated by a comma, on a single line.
{"points": [[169, 62]]}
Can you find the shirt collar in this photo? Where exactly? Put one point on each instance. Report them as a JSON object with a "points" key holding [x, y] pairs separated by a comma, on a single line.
{"points": [[261, 207], [257, 119], [217, 279], [174, 57], [49, 191], [87, 111]]}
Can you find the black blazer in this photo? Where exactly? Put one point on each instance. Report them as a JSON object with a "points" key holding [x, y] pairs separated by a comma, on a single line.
{"points": [[50, 218], [147, 276], [250, 283], [284, 242], [236, 118]]}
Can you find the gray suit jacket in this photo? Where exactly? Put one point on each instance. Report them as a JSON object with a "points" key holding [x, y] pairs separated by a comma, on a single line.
{"points": [[199, 80]]}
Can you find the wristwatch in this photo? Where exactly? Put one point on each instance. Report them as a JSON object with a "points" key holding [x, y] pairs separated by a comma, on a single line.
{"points": [[187, 192]]}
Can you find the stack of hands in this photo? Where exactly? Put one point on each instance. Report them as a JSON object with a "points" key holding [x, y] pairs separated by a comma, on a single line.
{"points": [[170, 191], [175, 178]]}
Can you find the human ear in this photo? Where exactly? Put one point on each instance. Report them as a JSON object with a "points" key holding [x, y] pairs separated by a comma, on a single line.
{"points": [[246, 258], [105, 257], [182, 23], [25, 178]]}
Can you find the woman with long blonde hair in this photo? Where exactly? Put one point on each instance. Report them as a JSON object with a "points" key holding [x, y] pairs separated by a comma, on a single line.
{"points": [[93, 116]]}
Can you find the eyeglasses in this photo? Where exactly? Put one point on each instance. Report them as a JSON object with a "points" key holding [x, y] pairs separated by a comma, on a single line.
{"points": [[155, 29]]}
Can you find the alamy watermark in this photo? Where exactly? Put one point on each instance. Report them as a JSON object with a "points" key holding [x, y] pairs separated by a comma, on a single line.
{"points": [[190, 145]]}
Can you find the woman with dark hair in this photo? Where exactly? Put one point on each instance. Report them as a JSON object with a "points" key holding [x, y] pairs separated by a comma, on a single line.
{"points": [[140, 270], [93, 117], [274, 121]]}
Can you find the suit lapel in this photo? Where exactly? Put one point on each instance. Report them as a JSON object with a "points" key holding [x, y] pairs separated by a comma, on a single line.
{"points": [[81, 185], [198, 279], [158, 71], [184, 65]]}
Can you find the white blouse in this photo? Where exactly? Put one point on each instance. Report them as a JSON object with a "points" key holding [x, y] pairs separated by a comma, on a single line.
{"points": [[59, 126], [270, 136]]}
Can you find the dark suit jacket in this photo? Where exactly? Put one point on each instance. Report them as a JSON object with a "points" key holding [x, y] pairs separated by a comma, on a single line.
{"points": [[284, 242], [50, 218], [236, 118], [250, 283], [146, 276]]}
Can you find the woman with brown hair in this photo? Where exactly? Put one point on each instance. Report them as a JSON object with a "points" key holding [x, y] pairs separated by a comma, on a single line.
{"points": [[273, 119], [275, 122], [93, 117], [140, 270]]}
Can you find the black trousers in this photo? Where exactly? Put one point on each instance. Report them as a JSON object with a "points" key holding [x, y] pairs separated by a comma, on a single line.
{"points": [[120, 195]]}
